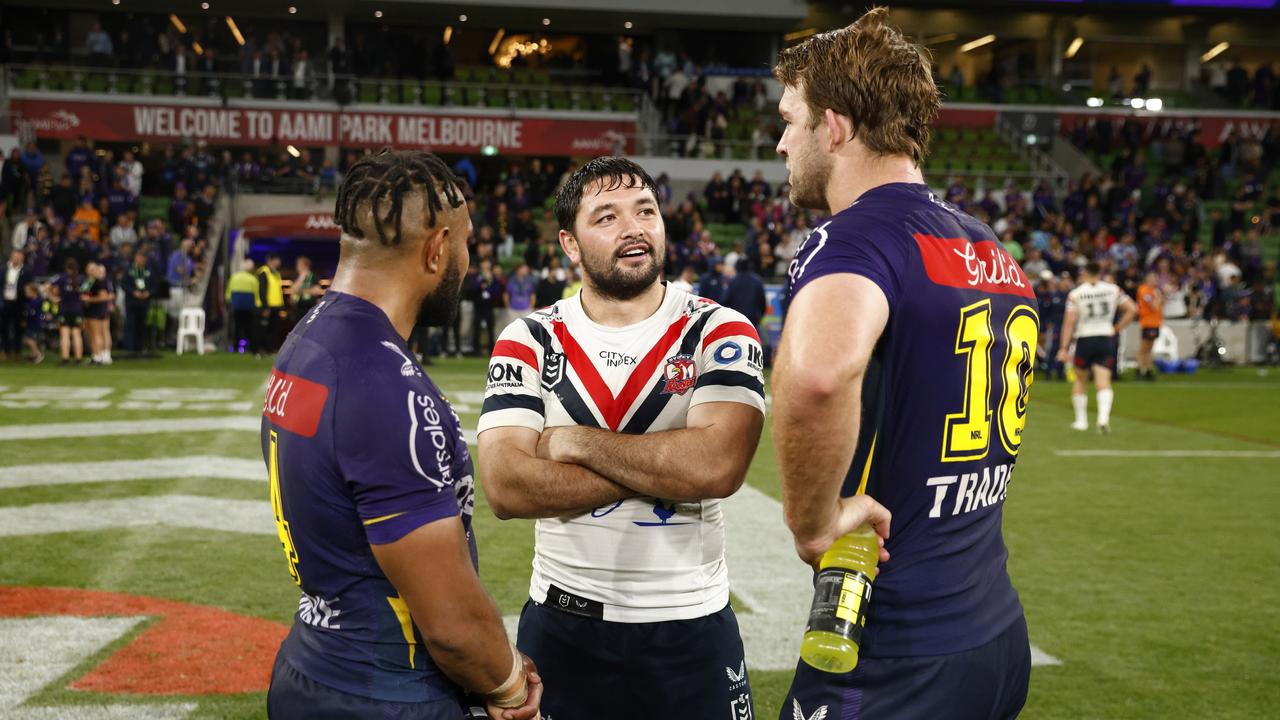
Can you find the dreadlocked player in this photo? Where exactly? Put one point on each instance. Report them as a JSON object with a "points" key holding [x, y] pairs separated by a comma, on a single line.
{"points": [[371, 481]]}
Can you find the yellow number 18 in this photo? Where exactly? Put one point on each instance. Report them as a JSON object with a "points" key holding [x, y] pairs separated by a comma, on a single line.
{"points": [[967, 433]]}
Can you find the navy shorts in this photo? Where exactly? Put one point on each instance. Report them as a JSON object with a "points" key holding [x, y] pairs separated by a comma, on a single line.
{"points": [[1096, 350], [1150, 333], [986, 683], [594, 669], [294, 696]]}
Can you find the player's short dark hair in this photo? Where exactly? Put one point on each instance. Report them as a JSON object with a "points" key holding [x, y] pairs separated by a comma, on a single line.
{"points": [[1093, 268], [611, 172], [383, 179]]}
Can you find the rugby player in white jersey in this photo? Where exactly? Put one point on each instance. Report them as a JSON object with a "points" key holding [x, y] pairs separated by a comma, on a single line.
{"points": [[618, 418], [1091, 319]]}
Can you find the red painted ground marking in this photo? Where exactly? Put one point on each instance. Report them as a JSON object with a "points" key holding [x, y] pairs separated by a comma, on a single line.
{"points": [[190, 650]]}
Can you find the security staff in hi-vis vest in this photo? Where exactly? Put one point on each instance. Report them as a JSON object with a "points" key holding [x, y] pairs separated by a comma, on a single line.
{"points": [[270, 303]]}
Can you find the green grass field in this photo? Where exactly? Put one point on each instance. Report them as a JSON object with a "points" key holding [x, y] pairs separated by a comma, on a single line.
{"points": [[1150, 570]]}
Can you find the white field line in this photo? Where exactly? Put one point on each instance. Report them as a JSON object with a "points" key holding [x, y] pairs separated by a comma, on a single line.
{"points": [[1170, 453], [185, 511], [246, 423], [41, 431], [193, 466], [36, 651]]}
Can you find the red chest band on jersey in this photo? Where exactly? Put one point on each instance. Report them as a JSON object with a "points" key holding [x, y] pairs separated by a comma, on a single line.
{"points": [[985, 266], [293, 403]]}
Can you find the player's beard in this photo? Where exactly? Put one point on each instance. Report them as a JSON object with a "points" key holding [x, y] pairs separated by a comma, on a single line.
{"points": [[610, 280], [440, 306], [810, 174]]}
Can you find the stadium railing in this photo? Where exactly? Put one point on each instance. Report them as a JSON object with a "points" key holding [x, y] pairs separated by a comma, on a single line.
{"points": [[511, 90]]}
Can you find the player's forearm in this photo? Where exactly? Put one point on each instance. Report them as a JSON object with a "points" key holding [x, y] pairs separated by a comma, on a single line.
{"points": [[814, 427], [688, 464], [467, 640], [518, 485]]}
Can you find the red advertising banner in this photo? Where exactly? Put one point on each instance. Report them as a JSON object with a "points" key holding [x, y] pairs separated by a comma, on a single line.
{"points": [[1214, 129], [309, 127]]}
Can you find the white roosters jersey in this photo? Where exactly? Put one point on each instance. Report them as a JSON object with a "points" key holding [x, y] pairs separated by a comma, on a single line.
{"points": [[643, 559], [1095, 304]]}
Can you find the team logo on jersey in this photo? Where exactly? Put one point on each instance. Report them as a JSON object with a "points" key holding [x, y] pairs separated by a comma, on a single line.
{"points": [[680, 373], [408, 368], [798, 714], [740, 707], [664, 512], [552, 369], [728, 353]]}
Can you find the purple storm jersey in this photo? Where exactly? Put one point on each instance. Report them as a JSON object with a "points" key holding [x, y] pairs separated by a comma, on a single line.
{"points": [[944, 406], [361, 448]]}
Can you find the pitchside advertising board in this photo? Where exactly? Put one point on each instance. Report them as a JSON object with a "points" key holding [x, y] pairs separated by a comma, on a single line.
{"points": [[526, 134]]}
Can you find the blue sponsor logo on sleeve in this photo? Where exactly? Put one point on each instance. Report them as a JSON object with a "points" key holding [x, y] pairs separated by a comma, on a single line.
{"points": [[728, 353]]}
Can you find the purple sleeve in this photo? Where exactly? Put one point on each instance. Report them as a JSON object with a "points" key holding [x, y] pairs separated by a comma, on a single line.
{"points": [[834, 248], [395, 445]]}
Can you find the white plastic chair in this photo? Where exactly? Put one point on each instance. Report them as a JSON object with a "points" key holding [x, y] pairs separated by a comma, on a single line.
{"points": [[191, 325]]}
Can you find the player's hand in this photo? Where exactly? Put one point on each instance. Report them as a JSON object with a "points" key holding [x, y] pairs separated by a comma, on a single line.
{"points": [[1063, 355], [529, 710], [850, 514], [556, 444]]}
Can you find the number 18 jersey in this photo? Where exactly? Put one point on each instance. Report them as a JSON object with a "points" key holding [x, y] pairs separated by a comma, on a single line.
{"points": [[944, 403]]}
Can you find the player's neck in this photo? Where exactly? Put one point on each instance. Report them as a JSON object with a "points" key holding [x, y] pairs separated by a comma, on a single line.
{"points": [[612, 312], [852, 177], [400, 307]]}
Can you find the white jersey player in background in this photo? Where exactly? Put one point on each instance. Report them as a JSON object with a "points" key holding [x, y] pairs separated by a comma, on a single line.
{"points": [[619, 417], [1090, 319]]}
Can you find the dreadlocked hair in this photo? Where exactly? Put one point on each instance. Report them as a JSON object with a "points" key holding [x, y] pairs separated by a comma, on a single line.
{"points": [[383, 180]]}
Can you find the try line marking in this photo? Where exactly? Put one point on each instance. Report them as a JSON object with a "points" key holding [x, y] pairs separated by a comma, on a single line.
{"points": [[1170, 453]]}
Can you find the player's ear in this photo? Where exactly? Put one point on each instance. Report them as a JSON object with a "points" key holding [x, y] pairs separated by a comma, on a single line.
{"points": [[432, 259], [839, 129], [569, 244]]}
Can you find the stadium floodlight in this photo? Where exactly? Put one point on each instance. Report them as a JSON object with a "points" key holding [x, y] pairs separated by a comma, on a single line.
{"points": [[204, 6], [1094, 102], [975, 44], [377, 14], [235, 31], [293, 9], [627, 25], [546, 22], [1155, 104], [1215, 51], [1137, 103], [1074, 47], [115, 2], [462, 18]]}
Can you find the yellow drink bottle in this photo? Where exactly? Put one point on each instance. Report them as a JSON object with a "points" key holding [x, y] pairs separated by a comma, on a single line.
{"points": [[841, 593]]}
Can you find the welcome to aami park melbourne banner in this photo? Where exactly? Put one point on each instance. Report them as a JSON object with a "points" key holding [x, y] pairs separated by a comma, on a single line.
{"points": [[307, 124]]}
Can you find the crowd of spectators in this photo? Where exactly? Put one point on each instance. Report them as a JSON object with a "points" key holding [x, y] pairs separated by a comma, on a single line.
{"points": [[1240, 88], [80, 255]]}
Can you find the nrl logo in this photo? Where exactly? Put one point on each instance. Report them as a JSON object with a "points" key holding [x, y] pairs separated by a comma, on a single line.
{"points": [[552, 369], [798, 714], [408, 369]]}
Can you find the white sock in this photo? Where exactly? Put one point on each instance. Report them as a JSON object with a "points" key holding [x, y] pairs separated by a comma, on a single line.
{"points": [[1081, 404], [1104, 406]]}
